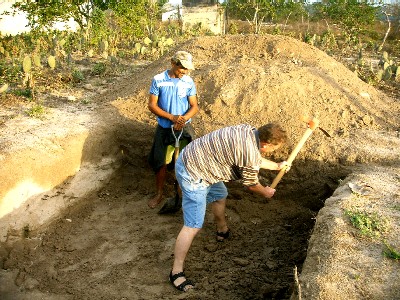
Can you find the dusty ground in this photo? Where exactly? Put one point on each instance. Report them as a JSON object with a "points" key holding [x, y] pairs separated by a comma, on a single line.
{"points": [[107, 244]]}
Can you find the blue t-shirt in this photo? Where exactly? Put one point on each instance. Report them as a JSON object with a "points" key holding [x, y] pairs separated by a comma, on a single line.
{"points": [[172, 95]]}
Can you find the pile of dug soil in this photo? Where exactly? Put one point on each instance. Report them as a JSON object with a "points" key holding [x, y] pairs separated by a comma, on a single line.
{"points": [[111, 245]]}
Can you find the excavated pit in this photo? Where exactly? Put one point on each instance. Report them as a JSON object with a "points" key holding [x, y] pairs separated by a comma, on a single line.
{"points": [[87, 233]]}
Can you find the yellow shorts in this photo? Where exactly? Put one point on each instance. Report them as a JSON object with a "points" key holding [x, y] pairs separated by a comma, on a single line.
{"points": [[170, 151]]}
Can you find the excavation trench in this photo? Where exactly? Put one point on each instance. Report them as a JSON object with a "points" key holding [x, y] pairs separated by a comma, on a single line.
{"points": [[93, 233], [87, 232]]}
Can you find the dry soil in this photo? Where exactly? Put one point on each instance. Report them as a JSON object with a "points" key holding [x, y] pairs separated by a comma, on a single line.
{"points": [[107, 244]]}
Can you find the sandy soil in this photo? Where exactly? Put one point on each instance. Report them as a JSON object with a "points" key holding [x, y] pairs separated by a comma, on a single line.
{"points": [[107, 244]]}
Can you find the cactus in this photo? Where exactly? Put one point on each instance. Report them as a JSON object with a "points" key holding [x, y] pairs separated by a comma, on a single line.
{"points": [[169, 42], [147, 41], [51, 60], [379, 75], [27, 64], [27, 68], [36, 61], [143, 50], [397, 73], [138, 47], [103, 46], [388, 68], [62, 43], [385, 56], [90, 53], [3, 88], [154, 38], [387, 74]]}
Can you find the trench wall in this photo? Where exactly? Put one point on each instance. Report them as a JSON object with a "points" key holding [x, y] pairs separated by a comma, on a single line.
{"points": [[42, 176]]}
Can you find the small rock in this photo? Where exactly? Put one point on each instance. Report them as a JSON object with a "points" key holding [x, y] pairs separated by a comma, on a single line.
{"points": [[241, 261]]}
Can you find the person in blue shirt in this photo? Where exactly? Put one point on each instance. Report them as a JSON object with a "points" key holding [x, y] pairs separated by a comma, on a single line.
{"points": [[173, 99]]}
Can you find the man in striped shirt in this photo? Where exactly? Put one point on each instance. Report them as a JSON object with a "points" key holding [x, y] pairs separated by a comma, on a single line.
{"points": [[229, 154]]}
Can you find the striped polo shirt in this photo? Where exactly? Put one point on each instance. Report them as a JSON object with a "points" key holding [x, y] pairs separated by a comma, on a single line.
{"points": [[227, 154]]}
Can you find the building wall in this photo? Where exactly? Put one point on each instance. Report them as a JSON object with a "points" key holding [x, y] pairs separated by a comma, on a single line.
{"points": [[210, 17], [190, 3]]}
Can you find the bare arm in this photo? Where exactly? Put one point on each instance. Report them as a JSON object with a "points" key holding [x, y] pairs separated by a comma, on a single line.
{"points": [[271, 165], [264, 191], [155, 109]]}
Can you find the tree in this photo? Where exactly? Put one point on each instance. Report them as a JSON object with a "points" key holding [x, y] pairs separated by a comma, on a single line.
{"points": [[351, 15], [43, 14], [258, 11]]}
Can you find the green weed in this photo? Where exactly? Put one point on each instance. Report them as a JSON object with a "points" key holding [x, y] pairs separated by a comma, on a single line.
{"points": [[27, 93], [77, 76], [368, 224], [37, 111], [390, 252]]}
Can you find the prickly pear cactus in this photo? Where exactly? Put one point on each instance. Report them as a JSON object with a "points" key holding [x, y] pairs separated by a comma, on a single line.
{"points": [[51, 60], [385, 56], [3, 88], [138, 47], [36, 61], [397, 73], [387, 74], [379, 75], [147, 41], [62, 42], [103, 46], [27, 64], [169, 42]]}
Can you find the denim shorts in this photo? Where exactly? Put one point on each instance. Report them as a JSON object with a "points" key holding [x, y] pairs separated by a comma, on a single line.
{"points": [[196, 195]]}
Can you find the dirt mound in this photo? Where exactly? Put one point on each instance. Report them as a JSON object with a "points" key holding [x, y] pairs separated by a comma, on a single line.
{"points": [[110, 245], [257, 79]]}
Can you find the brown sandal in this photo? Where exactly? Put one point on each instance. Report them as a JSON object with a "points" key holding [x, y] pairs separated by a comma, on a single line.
{"points": [[222, 236]]}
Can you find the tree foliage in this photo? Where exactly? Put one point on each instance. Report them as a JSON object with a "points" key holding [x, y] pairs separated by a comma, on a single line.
{"points": [[352, 15], [258, 11]]}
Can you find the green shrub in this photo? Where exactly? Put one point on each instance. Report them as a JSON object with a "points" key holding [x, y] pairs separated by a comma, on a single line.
{"points": [[77, 76], [99, 68]]}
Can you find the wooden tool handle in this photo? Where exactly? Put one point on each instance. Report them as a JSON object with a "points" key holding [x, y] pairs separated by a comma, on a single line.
{"points": [[312, 125], [176, 154]]}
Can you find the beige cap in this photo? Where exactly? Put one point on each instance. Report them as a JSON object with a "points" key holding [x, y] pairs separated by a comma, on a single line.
{"points": [[185, 58]]}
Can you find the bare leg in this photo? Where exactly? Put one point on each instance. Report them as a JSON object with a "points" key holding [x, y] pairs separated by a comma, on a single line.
{"points": [[182, 245], [218, 209], [160, 181]]}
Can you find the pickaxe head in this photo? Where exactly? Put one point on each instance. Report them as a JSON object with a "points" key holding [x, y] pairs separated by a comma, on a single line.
{"points": [[311, 123]]}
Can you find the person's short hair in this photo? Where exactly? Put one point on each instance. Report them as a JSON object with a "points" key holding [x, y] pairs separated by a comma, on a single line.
{"points": [[184, 59], [272, 133]]}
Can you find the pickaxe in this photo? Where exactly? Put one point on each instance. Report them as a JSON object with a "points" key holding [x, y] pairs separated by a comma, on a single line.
{"points": [[311, 126]]}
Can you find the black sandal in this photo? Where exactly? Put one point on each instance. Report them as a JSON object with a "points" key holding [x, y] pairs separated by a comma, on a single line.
{"points": [[183, 285], [223, 235]]}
